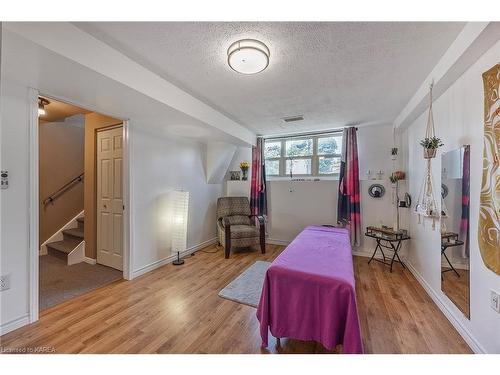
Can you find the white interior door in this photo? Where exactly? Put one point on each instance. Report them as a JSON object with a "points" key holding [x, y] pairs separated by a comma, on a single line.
{"points": [[110, 197]]}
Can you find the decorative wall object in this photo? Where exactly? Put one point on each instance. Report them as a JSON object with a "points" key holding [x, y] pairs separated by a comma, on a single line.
{"points": [[376, 191], [444, 191], [235, 175], [395, 177], [489, 209], [426, 204], [394, 153]]}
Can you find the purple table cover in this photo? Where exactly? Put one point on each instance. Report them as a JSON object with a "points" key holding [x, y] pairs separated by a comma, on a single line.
{"points": [[309, 292]]}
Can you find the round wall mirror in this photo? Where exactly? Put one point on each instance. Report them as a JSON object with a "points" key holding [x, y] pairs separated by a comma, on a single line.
{"points": [[376, 191]]}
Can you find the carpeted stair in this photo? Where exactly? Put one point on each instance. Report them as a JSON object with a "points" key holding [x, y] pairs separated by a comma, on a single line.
{"points": [[71, 239]]}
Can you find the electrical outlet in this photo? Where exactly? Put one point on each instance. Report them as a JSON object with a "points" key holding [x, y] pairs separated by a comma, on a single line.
{"points": [[495, 301], [4, 282]]}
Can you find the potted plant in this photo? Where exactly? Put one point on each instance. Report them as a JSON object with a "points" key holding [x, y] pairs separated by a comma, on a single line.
{"points": [[399, 175], [430, 146], [244, 165], [394, 179]]}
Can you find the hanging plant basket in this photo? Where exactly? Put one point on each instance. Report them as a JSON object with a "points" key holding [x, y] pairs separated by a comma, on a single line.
{"points": [[426, 205], [430, 153]]}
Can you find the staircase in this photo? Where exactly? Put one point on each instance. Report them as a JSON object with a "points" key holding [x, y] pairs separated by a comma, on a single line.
{"points": [[71, 239]]}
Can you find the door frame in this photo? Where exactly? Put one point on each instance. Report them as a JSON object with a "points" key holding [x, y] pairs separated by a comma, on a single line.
{"points": [[33, 199]]}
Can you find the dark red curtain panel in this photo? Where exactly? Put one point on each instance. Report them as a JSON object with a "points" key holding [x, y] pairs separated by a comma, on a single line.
{"points": [[258, 198], [348, 206]]}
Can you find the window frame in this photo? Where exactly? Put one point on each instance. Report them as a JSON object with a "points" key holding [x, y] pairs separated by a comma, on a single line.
{"points": [[314, 157]]}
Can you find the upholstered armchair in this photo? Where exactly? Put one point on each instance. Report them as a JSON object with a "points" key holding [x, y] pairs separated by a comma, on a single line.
{"points": [[235, 225]]}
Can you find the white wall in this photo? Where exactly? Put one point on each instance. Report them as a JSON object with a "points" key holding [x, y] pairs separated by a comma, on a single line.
{"points": [[292, 206], [458, 115], [161, 165], [14, 209]]}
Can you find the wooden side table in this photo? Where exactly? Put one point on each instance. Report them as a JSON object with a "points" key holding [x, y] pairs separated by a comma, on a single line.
{"points": [[387, 239], [449, 240]]}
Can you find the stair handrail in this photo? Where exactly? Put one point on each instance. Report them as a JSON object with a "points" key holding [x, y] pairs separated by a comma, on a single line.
{"points": [[62, 189]]}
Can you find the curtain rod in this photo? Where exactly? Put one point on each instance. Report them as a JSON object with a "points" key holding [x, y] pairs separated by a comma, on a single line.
{"points": [[319, 132]]}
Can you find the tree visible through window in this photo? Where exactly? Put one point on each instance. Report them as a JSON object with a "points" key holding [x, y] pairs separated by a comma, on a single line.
{"points": [[317, 155]]}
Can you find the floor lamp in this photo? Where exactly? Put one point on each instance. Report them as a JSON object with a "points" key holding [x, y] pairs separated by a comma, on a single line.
{"points": [[180, 202]]}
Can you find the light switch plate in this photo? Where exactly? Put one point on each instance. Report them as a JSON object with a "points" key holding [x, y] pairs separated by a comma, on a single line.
{"points": [[495, 301]]}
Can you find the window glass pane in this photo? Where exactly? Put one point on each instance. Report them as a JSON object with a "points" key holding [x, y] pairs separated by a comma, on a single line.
{"points": [[299, 147], [272, 167], [330, 145], [329, 165], [272, 149], [299, 166]]}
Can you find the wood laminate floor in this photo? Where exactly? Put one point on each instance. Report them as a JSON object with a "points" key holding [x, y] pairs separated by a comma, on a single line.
{"points": [[176, 309], [457, 288]]}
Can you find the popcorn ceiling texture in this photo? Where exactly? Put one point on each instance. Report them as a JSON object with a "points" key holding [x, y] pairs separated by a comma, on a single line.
{"points": [[332, 73]]}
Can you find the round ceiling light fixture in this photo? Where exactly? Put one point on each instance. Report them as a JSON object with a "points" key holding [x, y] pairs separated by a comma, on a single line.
{"points": [[248, 56]]}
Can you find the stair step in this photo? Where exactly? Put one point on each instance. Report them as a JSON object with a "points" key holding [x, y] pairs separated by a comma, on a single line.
{"points": [[73, 234], [65, 246], [61, 249]]}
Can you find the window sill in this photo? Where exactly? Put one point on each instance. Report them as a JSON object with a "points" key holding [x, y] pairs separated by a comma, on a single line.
{"points": [[303, 179]]}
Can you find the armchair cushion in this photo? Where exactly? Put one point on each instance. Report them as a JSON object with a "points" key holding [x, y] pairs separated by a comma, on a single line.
{"points": [[239, 220], [244, 231]]}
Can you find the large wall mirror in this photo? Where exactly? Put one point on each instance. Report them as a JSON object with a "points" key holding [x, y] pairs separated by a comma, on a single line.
{"points": [[455, 182]]}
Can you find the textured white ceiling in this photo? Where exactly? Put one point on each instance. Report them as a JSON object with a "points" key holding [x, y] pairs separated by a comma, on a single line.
{"points": [[334, 74]]}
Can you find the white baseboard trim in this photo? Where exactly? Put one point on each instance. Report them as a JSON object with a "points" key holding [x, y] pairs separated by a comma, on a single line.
{"points": [[366, 254], [14, 324], [461, 329], [90, 260], [161, 262], [273, 241]]}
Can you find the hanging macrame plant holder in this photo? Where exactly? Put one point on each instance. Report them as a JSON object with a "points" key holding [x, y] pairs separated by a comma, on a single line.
{"points": [[430, 153], [426, 204]]}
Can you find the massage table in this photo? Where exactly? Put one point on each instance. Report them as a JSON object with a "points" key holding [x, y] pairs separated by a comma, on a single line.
{"points": [[309, 293]]}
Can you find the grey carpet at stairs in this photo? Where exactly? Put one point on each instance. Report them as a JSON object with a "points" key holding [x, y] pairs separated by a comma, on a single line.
{"points": [[247, 286], [60, 282]]}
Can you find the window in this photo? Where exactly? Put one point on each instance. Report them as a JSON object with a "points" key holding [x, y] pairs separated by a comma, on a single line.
{"points": [[317, 155]]}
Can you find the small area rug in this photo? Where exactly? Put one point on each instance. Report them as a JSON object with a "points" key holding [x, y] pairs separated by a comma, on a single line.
{"points": [[247, 286]]}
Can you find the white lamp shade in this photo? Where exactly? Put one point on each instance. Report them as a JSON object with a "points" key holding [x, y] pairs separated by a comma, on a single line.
{"points": [[180, 206], [248, 56]]}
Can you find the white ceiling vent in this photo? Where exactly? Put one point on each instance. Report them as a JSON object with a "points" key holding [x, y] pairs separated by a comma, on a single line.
{"points": [[293, 118]]}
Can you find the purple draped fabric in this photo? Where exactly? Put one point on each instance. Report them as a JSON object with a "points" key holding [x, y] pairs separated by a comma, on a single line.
{"points": [[309, 292], [464, 222]]}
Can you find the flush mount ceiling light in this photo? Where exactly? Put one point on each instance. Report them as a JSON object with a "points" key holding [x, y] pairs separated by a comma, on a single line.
{"points": [[248, 56], [42, 102]]}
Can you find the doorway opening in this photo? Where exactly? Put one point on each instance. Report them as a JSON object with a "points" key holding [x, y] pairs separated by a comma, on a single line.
{"points": [[81, 203]]}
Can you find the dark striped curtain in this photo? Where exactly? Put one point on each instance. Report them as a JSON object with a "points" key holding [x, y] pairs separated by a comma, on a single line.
{"points": [[464, 222], [258, 198], [348, 206]]}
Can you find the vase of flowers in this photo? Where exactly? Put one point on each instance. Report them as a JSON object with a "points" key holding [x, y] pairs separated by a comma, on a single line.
{"points": [[244, 166], [430, 146]]}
